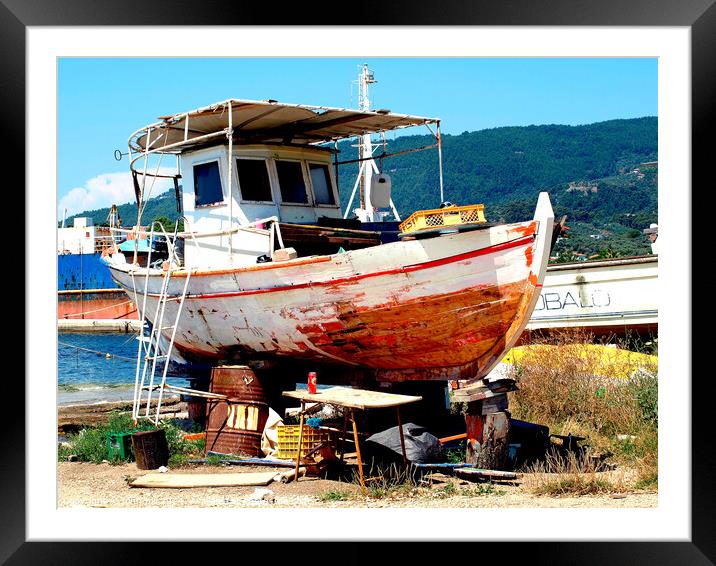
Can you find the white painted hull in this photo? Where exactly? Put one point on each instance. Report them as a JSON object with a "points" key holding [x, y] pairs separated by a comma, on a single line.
{"points": [[599, 295], [439, 308]]}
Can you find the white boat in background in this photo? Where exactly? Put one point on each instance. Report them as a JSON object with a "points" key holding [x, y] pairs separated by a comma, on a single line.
{"points": [[608, 296]]}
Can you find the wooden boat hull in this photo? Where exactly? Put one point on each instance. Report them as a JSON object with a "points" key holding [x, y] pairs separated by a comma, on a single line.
{"points": [[439, 308]]}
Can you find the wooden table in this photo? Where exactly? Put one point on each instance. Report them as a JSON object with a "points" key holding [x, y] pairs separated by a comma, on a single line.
{"points": [[351, 399]]}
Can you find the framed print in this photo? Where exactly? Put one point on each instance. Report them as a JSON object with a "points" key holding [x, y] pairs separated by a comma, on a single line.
{"points": [[87, 74]]}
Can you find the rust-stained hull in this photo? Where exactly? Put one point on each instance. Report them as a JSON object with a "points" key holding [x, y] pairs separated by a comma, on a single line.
{"points": [[439, 308], [105, 304]]}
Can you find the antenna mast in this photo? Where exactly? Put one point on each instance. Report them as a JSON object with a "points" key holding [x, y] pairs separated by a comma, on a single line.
{"points": [[368, 171], [365, 148], [367, 168]]}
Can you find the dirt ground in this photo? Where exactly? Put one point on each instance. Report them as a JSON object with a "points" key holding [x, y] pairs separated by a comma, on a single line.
{"points": [[106, 485]]}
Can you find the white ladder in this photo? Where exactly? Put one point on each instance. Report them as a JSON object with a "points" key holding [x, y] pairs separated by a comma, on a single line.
{"points": [[149, 351]]}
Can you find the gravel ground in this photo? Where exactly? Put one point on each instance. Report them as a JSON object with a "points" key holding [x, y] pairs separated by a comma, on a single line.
{"points": [[105, 485]]}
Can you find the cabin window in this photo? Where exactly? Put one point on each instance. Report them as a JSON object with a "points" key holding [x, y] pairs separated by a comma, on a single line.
{"points": [[207, 184], [254, 179], [290, 178], [321, 181]]}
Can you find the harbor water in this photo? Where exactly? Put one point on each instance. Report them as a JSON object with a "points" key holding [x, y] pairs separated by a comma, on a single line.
{"points": [[95, 368]]}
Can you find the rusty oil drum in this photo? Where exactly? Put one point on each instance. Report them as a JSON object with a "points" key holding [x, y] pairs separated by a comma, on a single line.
{"points": [[235, 425], [151, 450]]}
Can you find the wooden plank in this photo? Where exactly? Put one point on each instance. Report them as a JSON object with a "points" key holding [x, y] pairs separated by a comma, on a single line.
{"points": [[353, 398], [203, 480], [329, 230], [440, 465], [482, 390], [301, 233], [245, 462], [481, 474], [287, 475]]}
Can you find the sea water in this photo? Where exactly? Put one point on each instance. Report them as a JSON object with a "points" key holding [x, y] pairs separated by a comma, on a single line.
{"points": [[96, 368], [93, 368]]}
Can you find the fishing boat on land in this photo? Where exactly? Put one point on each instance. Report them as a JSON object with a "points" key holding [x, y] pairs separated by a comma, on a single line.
{"points": [[267, 271]]}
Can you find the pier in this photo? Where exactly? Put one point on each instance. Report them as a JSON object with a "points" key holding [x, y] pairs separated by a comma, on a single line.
{"points": [[98, 325]]}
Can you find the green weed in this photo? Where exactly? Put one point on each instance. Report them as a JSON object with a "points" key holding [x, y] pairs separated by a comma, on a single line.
{"points": [[480, 490], [90, 444], [334, 495], [446, 490], [455, 455]]}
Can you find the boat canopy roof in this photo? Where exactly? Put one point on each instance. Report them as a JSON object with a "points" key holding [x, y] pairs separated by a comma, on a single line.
{"points": [[264, 122]]}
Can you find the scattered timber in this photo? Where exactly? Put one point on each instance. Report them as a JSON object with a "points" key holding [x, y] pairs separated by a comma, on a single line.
{"points": [[477, 474], [246, 462], [439, 465], [484, 389], [179, 481], [287, 476]]}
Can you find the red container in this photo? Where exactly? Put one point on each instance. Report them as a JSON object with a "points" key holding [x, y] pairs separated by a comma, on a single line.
{"points": [[311, 381]]}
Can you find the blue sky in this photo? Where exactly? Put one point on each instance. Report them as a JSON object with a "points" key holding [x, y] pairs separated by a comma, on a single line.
{"points": [[102, 100]]}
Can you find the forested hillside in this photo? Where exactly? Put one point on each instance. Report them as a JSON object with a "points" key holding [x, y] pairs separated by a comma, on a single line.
{"points": [[588, 171]]}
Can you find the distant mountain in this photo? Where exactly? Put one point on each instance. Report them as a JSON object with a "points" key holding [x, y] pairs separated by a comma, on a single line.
{"points": [[588, 171], [161, 205]]}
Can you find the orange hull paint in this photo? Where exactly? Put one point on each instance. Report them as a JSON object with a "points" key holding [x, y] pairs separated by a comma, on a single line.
{"points": [[105, 305]]}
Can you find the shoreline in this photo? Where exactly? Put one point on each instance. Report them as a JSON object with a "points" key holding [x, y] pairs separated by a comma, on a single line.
{"points": [[71, 418], [95, 396]]}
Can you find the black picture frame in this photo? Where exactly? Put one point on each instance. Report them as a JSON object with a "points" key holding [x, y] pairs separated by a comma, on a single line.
{"points": [[698, 15]]}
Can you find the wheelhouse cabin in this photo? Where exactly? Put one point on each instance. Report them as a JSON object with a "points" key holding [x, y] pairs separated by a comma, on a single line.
{"points": [[254, 176], [294, 185]]}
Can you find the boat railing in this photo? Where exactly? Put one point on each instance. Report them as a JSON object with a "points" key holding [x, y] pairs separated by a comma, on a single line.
{"points": [[273, 231], [152, 234]]}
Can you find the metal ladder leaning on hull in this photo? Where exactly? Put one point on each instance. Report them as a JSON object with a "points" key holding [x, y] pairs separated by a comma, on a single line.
{"points": [[149, 350]]}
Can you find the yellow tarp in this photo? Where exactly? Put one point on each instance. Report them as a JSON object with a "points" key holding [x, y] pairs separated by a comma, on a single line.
{"points": [[614, 361]]}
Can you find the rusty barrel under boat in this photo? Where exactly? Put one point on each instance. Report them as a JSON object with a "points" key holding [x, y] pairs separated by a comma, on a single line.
{"points": [[235, 425]]}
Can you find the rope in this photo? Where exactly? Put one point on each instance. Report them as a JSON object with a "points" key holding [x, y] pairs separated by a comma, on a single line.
{"points": [[101, 309], [105, 354]]}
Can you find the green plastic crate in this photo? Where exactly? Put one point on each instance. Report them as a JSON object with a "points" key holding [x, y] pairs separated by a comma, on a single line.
{"points": [[119, 445]]}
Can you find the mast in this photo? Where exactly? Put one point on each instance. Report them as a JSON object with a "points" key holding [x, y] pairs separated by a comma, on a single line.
{"points": [[365, 147], [367, 169]]}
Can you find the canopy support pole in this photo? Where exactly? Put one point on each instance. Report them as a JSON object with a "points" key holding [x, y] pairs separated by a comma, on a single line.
{"points": [[395, 210], [440, 159], [355, 188], [335, 166], [230, 134]]}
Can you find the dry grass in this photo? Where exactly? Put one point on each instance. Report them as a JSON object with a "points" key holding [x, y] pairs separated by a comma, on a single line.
{"points": [[568, 385], [391, 481], [570, 476]]}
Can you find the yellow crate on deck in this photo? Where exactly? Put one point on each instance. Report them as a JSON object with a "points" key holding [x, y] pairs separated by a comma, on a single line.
{"points": [[288, 440], [443, 217]]}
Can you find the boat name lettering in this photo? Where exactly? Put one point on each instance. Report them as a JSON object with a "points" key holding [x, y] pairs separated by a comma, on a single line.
{"points": [[554, 300]]}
